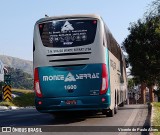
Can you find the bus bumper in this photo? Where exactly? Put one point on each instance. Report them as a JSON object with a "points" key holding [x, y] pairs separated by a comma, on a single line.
{"points": [[49, 105]]}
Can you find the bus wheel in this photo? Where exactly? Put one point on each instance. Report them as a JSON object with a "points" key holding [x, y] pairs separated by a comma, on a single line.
{"points": [[122, 104], [104, 112], [56, 116], [110, 113], [59, 115], [115, 109]]}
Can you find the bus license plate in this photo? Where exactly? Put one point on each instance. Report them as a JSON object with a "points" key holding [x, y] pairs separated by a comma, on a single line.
{"points": [[71, 102]]}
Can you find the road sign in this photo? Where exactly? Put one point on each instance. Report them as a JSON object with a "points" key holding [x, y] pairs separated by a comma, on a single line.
{"points": [[7, 93]]}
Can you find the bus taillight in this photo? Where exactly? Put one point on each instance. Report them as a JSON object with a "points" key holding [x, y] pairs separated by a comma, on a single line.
{"points": [[40, 26], [36, 83], [94, 22], [104, 86]]}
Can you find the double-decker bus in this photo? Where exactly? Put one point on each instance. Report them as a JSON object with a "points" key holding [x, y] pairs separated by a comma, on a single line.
{"points": [[78, 65]]}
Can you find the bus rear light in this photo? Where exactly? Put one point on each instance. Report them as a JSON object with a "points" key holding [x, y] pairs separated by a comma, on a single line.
{"points": [[103, 83], [94, 22], [103, 99], [40, 102], [36, 84], [104, 86], [40, 26]]}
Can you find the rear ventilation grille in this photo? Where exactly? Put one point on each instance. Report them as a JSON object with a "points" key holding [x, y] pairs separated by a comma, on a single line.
{"points": [[74, 65], [74, 59], [65, 54]]}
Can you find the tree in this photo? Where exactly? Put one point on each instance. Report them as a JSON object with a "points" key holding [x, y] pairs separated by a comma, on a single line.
{"points": [[131, 83], [153, 14], [153, 9], [143, 48], [20, 79]]}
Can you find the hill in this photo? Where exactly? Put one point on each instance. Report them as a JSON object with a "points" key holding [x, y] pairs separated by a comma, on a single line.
{"points": [[16, 63], [20, 79]]}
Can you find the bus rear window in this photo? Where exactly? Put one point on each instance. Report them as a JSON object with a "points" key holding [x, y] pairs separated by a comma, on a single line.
{"points": [[68, 33]]}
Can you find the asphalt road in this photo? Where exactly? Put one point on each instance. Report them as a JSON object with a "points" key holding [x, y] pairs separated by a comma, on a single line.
{"points": [[129, 115]]}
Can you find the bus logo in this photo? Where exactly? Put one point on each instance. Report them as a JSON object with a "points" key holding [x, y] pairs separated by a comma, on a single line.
{"points": [[66, 27], [69, 78]]}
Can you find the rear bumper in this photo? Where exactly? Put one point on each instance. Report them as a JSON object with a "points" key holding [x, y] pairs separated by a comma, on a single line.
{"points": [[50, 105]]}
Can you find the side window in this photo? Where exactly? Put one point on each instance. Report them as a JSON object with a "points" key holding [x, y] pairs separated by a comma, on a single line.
{"points": [[104, 38], [112, 45], [108, 42], [107, 38]]}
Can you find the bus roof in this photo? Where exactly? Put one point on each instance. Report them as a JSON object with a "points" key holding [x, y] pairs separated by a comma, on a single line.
{"points": [[69, 16]]}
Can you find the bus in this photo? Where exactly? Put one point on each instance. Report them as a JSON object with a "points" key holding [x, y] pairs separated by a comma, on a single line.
{"points": [[78, 66]]}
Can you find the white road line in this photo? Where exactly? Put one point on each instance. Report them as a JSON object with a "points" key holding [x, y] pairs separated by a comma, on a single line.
{"points": [[130, 120]]}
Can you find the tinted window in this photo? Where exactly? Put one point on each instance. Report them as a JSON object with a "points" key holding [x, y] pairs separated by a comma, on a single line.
{"points": [[68, 33]]}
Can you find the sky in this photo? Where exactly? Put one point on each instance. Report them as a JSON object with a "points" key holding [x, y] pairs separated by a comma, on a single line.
{"points": [[18, 18]]}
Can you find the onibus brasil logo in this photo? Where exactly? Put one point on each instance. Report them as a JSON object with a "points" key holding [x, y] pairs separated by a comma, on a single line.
{"points": [[70, 77]]}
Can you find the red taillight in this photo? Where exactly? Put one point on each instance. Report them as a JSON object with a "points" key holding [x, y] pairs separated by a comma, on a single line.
{"points": [[94, 22], [40, 26], [104, 86], [40, 102], [103, 99], [36, 83]]}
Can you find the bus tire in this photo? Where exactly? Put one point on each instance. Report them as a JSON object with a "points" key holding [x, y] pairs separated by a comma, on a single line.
{"points": [[116, 109], [121, 104], [104, 112], [59, 115], [56, 116], [110, 113]]}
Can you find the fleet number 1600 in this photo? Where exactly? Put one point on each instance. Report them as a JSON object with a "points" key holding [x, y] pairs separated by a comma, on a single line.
{"points": [[70, 87]]}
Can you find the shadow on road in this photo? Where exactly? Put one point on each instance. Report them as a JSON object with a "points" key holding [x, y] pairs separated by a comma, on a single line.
{"points": [[74, 117], [147, 123]]}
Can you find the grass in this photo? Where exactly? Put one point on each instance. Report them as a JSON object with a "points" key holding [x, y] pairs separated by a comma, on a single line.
{"points": [[26, 98], [5, 103], [22, 91], [156, 118]]}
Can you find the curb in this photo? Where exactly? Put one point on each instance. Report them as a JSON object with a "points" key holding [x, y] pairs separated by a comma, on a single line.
{"points": [[2, 108], [152, 116], [13, 107], [27, 107]]}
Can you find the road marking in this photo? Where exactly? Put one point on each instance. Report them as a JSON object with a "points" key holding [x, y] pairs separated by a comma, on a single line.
{"points": [[130, 120]]}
